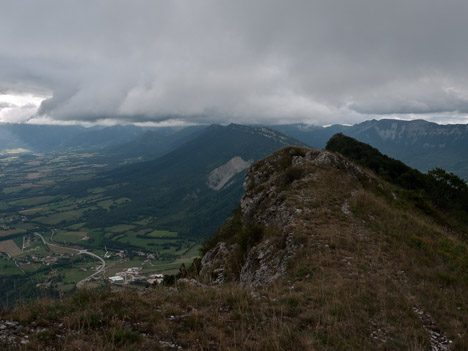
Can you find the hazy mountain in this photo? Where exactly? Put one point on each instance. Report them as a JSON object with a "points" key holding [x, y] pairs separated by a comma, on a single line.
{"points": [[101, 138], [421, 144], [313, 136], [418, 143], [114, 144], [193, 188], [47, 138], [154, 143], [38, 138]]}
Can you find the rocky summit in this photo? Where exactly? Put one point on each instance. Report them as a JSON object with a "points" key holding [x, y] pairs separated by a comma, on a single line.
{"points": [[276, 200], [356, 245], [321, 254]]}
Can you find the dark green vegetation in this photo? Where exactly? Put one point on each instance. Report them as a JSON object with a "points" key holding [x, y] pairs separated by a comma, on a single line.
{"points": [[173, 190], [30, 203], [150, 215], [365, 268], [420, 144], [446, 191]]}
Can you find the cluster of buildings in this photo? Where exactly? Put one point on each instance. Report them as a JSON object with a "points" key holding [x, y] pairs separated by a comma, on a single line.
{"points": [[133, 274], [48, 260]]}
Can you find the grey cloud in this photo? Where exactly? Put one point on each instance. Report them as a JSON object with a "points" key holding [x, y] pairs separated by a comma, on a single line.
{"points": [[423, 98], [28, 106], [6, 105], [245, 61]]}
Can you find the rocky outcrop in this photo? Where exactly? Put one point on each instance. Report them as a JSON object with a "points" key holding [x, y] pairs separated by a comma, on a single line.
{"points": [[276, 189], [214, 263], [15, 335]]}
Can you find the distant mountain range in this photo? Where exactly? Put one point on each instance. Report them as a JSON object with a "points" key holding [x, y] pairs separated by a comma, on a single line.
{"points": [[420, 144], [154, 143], [117, 141]]}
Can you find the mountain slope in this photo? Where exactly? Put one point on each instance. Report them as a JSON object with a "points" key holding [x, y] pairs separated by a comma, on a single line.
{"points": [[444, 190], [193, 188], [420, 144], [101, 138], [321, 255], [154, 143], [368, 268], [37, 138]]}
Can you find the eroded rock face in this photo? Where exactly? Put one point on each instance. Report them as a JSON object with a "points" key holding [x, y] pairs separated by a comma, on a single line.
{"points": [[220, 176], [266, 262], [214, 263], [277, 192]]}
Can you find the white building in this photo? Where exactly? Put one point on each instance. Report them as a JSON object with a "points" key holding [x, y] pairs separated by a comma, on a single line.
{"points": [[116, 279]]}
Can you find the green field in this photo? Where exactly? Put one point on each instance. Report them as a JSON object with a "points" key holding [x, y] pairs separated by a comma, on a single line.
{"points": [[33, 201], [193, 252], [120, 228], [161, 234], [76, 226], [122, 200], [68, 236], [106, 204], [96, 190], [10, 232], [8, 267], [30, 203], [60, 217], [25, 226], [75, 275]]}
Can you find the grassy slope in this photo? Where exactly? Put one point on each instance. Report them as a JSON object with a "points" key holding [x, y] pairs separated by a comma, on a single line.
{"points": [[367, 259]]}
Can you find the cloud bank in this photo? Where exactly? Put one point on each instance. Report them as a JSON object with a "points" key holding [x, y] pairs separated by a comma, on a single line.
{"points": [[262, 61]]}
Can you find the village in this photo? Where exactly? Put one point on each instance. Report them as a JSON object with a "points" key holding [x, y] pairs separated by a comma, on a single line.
{"points": [[35, 253]]}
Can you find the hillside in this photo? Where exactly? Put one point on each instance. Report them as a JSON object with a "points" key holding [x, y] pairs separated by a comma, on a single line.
{"points": [[190, 190], [321, 255], [153, 143]]}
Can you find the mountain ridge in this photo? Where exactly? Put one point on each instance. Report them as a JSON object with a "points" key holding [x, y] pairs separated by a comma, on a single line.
{"points": [[175, 187], [419, 143]]}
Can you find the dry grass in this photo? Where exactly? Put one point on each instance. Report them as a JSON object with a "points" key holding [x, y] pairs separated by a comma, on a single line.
{"points": [[10, 248], [358, 273]]}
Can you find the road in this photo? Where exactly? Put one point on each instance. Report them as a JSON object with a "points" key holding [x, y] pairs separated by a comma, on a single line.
{"points": [[52, 233], [80, 252], [100, 269]]}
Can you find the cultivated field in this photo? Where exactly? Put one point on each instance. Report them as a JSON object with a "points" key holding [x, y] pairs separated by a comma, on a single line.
{"points": [[44, 194], [9, 247]]}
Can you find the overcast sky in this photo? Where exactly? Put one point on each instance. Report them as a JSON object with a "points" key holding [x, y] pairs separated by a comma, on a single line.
{"points": [[253, 61]]}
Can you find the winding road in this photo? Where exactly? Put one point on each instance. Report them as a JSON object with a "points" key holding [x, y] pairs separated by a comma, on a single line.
{"points": [[80, 252], [100, 269]]}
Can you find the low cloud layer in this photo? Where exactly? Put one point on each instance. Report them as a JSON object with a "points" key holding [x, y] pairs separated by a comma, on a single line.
{"points": [[263, 61]]}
